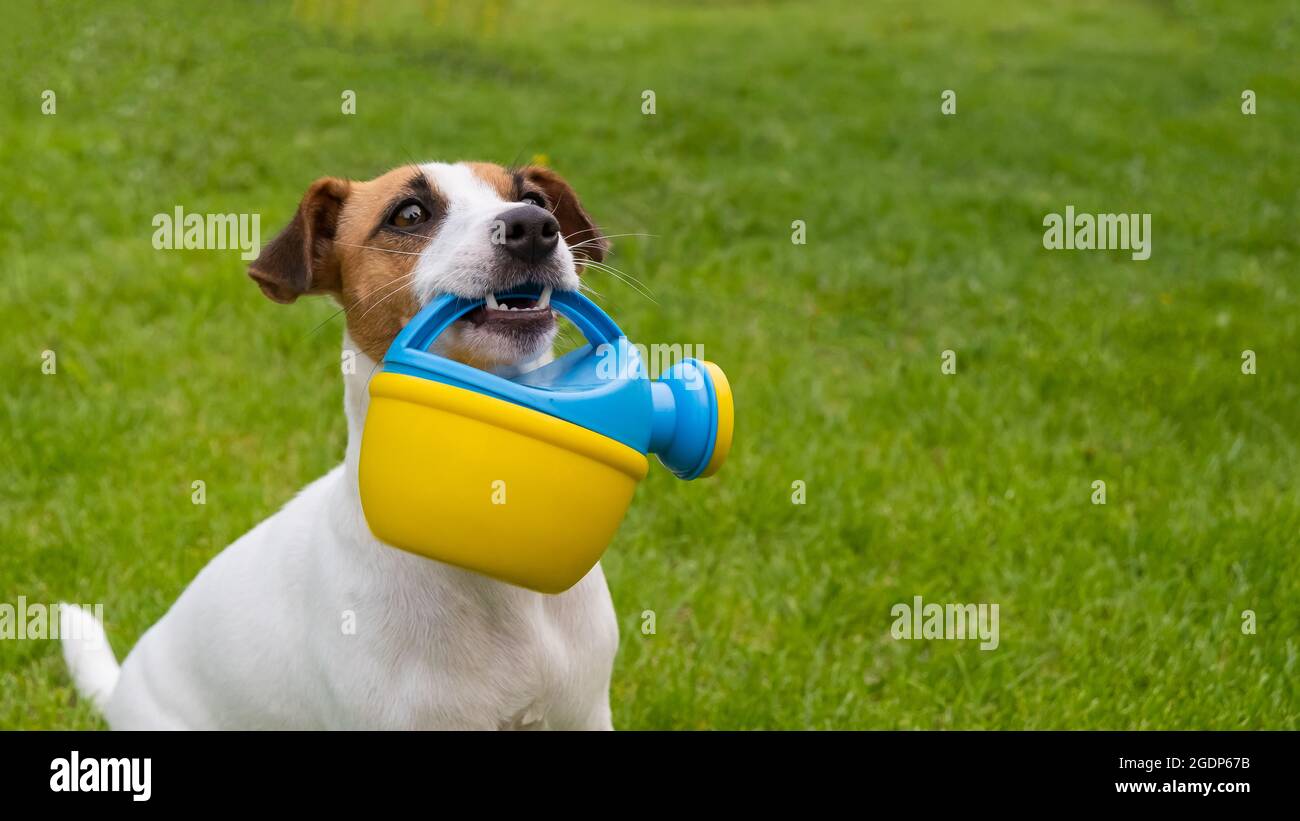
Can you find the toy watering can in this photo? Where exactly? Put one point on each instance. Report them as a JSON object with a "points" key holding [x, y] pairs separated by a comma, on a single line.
{"points": [[527, 479]]}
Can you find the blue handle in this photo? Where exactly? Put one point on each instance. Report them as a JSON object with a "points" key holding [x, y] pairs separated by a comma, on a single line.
{"points": [[675, 417], [572, 388], [438, 315]]}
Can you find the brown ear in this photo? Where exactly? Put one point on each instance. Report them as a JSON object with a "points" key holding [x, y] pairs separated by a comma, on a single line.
{"points": [[300, 260], [576, 225]]}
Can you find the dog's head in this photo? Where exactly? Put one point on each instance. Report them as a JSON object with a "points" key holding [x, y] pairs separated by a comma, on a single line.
{"points": [[386, 247]]}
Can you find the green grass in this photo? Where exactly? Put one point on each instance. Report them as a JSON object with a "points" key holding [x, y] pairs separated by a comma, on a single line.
{"points": [[924, 234]]}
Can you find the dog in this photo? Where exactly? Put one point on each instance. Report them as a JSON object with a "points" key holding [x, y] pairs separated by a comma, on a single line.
{"points": [[258, 640]]}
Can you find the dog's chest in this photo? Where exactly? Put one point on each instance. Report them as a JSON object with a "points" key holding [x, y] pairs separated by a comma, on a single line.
{"points": [[454, 657], [433, 646], [473, 673]]}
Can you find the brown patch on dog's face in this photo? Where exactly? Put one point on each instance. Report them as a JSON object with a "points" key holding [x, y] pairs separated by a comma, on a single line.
{"points": [[386, 224], [366, 241], [498, 178], [578, 228]]}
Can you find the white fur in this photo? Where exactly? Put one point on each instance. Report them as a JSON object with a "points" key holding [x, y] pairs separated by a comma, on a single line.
{"points": [[88, 654], [258, 639], [459, 260]]}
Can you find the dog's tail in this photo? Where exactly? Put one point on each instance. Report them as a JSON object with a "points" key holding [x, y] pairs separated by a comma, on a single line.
{"points": [[86, 650]]}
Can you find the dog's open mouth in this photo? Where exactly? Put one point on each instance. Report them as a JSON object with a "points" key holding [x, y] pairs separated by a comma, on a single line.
{"points": [[514, 311]]}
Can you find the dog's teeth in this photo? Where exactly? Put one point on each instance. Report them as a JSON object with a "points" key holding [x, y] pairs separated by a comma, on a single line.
{"points": [[542, 304]]}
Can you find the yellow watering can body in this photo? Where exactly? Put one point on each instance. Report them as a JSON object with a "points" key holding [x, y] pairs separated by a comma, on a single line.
{"points": [[527, 480]]}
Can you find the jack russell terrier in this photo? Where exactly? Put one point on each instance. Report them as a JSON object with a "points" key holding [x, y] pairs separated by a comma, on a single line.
{"points": [[256, 640]]}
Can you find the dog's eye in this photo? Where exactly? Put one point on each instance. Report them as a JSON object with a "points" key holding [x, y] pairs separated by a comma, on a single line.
{"points": [[534, 198], [408, 214]]}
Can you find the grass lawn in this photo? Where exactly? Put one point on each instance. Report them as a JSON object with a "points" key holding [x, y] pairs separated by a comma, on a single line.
{"points": [[924, 234]]}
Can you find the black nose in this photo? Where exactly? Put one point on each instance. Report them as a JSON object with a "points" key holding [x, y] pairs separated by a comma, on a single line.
{"points": [[529, 233]]}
